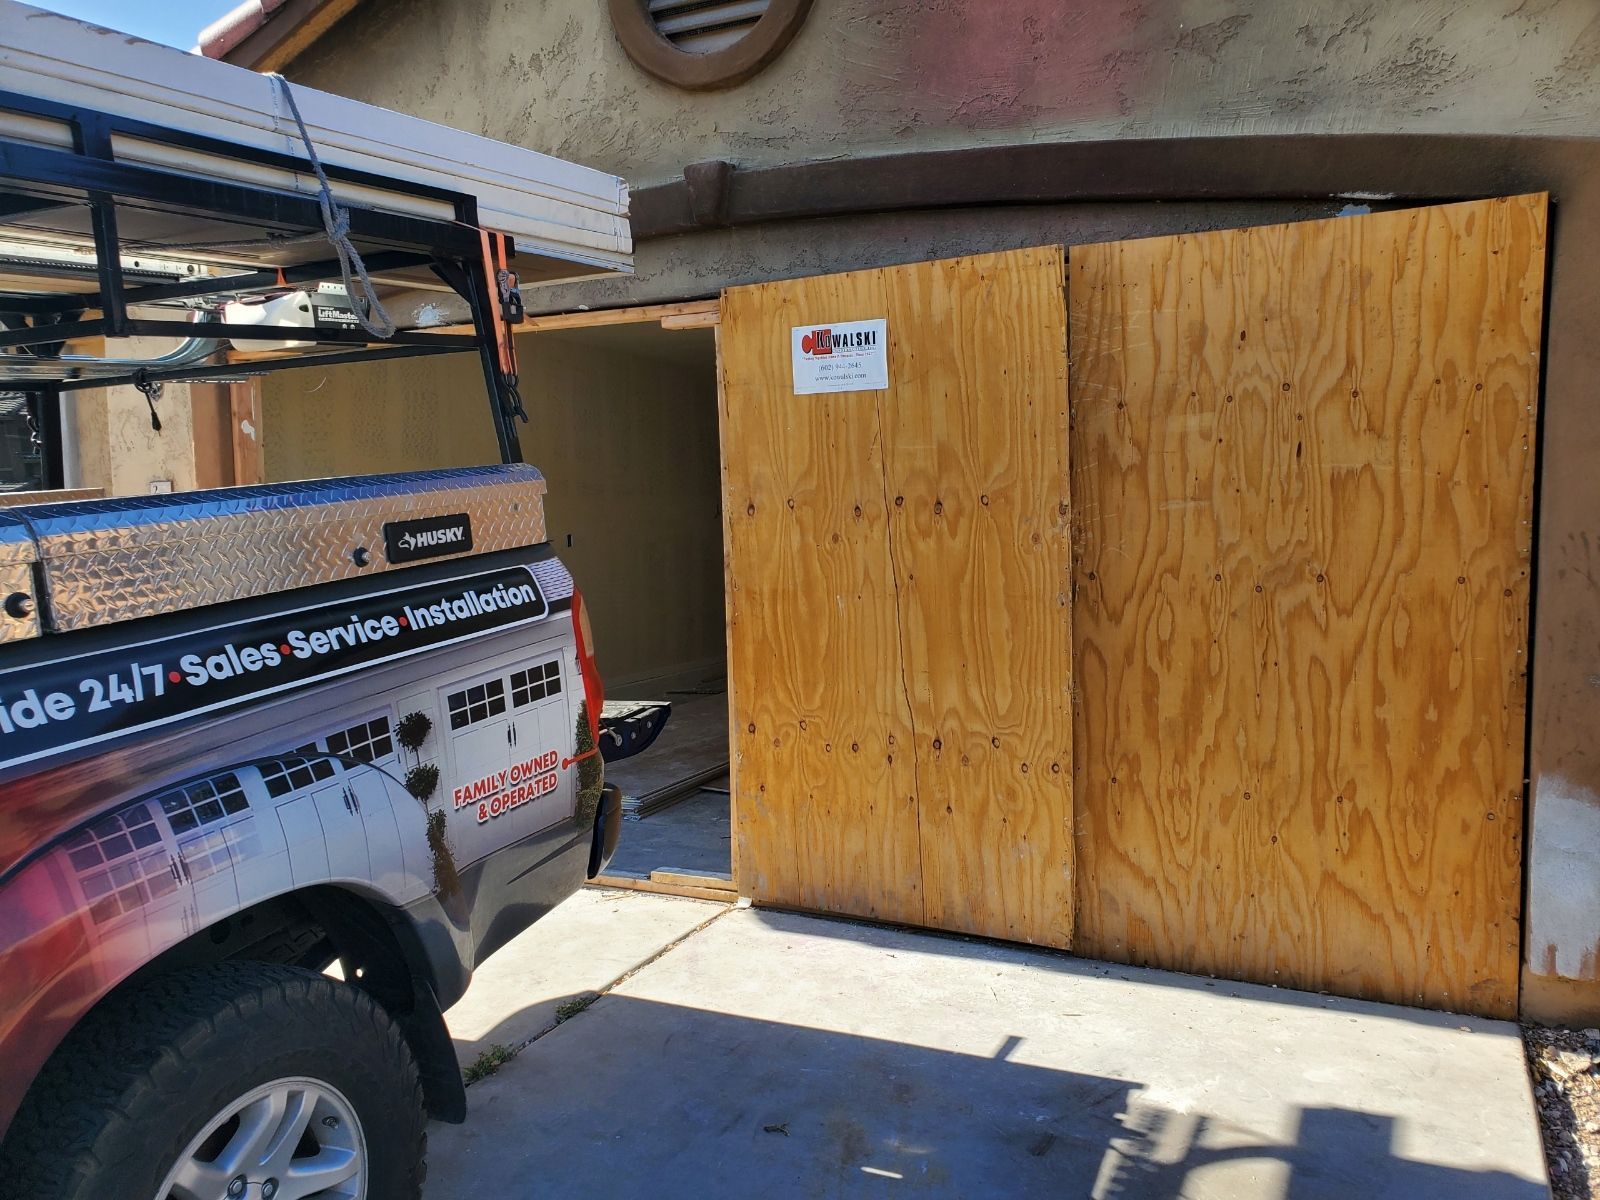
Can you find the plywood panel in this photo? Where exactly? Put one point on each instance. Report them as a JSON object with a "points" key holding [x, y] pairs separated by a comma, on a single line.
{"points": [[899, 645], [975, 436], [1303, 462], [824, 789]]}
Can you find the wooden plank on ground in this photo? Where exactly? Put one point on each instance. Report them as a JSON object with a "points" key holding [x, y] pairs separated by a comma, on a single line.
{"points": [[1303, 462], [715, 881], [637, 883], [975, 430]]}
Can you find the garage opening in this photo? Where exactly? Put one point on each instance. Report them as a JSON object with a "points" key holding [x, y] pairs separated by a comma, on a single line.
{"points": [[627, 436]]}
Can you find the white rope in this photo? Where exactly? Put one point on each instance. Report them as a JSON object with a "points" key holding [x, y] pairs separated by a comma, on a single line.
{"points": [[336, 222]]}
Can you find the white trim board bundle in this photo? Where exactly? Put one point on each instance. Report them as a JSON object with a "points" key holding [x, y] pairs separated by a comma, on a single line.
{"points": [[549, 206]]}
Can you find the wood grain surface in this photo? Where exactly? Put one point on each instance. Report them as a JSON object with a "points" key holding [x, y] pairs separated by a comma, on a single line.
{"points": [[899, 634], [975, 436], [1303, 462], [823, 779]]}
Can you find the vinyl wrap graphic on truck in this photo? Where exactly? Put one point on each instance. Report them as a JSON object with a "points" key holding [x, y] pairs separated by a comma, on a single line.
{"points": [[396, 781], [78, 701], [240, 728]]}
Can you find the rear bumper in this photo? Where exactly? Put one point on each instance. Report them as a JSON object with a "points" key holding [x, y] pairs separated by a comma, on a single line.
{"points": [[607, 829]]}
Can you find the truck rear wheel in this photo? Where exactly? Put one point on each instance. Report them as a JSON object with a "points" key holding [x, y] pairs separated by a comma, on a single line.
{"points": [[236, 1080]]}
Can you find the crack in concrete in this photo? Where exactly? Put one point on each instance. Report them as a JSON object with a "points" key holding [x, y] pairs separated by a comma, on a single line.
{"points": [[592, 997]]}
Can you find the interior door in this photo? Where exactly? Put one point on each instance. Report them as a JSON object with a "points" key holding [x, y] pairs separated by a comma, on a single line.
{"points": [[1303, 472], [898, 566]]}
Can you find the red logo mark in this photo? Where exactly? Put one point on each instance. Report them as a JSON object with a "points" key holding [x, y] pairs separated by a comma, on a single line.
{"points": [[818, 341]]}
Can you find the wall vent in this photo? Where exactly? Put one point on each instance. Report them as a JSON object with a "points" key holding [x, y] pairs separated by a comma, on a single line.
{"points": [[706, 26], [706, 44]]}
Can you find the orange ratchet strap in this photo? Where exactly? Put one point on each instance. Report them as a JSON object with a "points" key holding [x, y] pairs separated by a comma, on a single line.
{"points": [[505, 310]]}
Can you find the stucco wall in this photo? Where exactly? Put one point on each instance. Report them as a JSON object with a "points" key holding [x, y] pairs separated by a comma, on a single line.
{"points": [[627, 441], [873, 76]]}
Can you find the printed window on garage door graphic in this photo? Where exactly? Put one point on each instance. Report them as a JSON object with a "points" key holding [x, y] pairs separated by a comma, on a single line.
{"points": [[123, 863], [539, 719], [475, 704], [301, 768], [536, 684], [213, 823], [503, 693], [479, 727], [369, 740]]}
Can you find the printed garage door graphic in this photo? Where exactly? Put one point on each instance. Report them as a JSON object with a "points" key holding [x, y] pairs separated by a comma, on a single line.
{"points": [[507, 732], [158, 869]]}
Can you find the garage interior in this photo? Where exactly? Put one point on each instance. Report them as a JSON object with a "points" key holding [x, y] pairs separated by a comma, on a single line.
{"points": [[623, 423]]}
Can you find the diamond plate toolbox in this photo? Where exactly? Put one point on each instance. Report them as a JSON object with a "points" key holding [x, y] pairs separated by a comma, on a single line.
{"points": [[119, 559], [19, 607]]}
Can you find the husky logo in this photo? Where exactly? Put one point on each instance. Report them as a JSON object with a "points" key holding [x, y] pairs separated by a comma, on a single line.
{"points": [[450, 536], [429, 537]]}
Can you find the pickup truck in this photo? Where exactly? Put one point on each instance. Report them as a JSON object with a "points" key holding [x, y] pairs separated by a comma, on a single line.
{"points": [[280, 766]]}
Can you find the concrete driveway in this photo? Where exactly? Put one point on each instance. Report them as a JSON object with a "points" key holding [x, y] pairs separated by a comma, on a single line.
{"points": [[746, 1053]]}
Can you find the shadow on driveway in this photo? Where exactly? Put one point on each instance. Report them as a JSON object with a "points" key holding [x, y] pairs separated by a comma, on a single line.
{"points": [[772, 1055]]}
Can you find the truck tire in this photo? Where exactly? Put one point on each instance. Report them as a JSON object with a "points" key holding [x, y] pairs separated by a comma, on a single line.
{"points": [[195, 1081]]}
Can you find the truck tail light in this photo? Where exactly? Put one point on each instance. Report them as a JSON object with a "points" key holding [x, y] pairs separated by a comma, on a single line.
{"points": [[594, 691]]}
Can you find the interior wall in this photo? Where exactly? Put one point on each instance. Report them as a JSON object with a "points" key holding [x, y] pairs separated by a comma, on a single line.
{"points": [[623, 423], [626, 433], [409, 415]]}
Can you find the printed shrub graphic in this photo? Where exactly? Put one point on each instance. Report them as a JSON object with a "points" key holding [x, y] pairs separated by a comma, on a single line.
{"points": [[591, 770]]}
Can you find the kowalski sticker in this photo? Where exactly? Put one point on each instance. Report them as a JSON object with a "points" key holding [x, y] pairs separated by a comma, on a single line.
{"points": [[845, 356], [54, 707], [427, 537]]}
